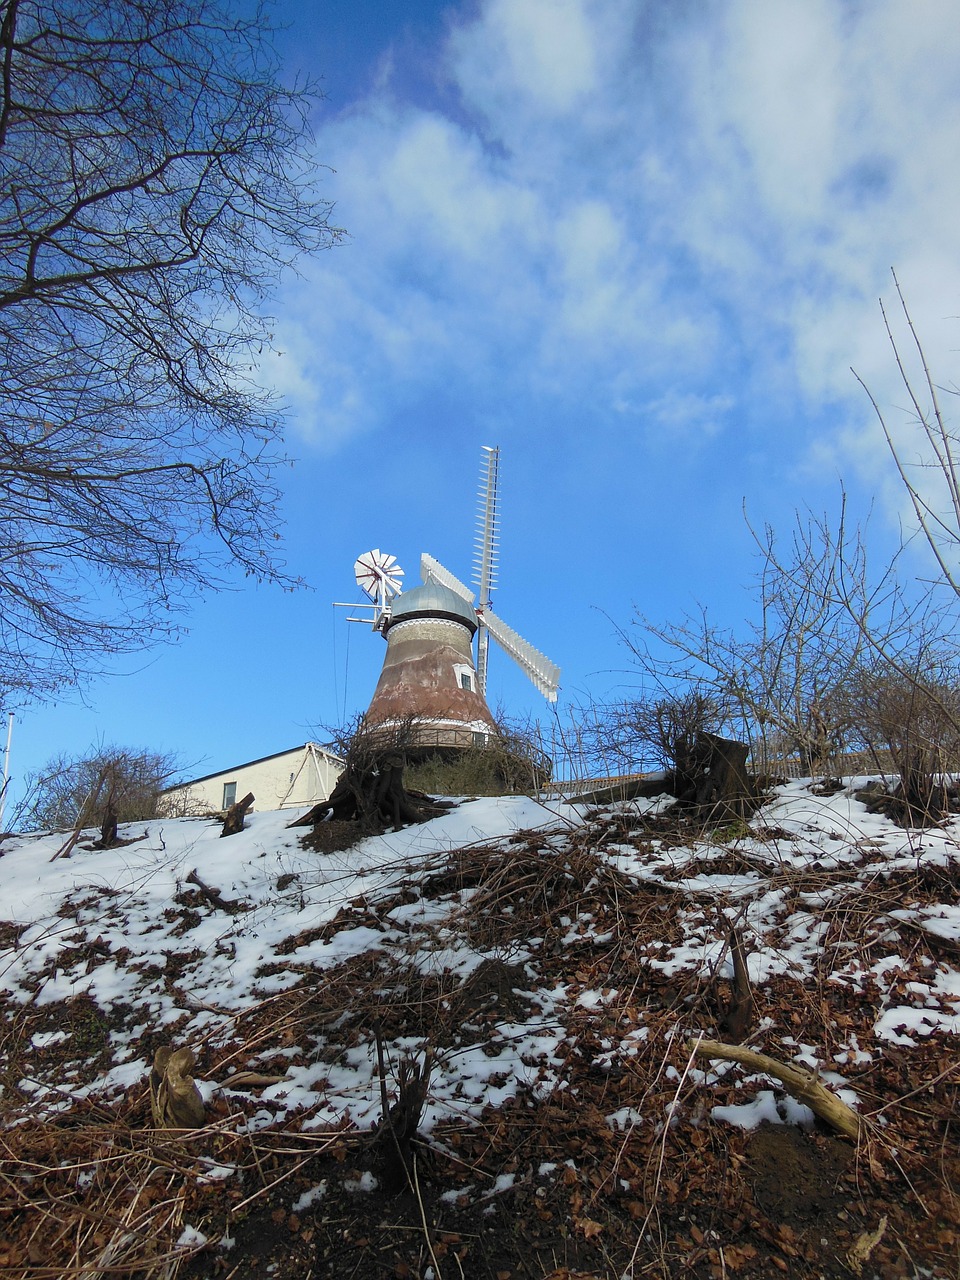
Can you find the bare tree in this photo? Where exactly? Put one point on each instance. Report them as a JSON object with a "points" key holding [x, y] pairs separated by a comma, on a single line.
{"points": [[835, 655], [912, 720], [932, 478], [105, 786], [778, 681], [154, 179]]}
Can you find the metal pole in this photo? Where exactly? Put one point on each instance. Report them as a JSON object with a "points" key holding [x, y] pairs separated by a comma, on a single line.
{"points": [[6, 769]]}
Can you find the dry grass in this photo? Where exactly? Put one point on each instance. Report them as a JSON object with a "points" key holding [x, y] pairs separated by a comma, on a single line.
{"points": [[108, 1199], [94, 1192]]}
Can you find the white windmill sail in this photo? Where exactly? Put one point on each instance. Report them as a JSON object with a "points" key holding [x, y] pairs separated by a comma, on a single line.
{"points": [[544, 673], [430, 568], [380, 578], [485, 547], [378, 574], [535, 665]]}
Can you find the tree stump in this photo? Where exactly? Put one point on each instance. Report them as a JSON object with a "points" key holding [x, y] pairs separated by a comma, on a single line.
{"points": [[110, 826], [739, 1015], [174, 1097], [713, 778], [233, 819], [396, 1133], [370, 791]]}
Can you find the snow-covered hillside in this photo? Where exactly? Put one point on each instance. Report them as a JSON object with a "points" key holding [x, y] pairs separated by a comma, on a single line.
{"points": [[543, 955]]}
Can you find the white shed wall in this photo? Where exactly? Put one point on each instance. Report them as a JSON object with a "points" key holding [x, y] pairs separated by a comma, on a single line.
{"points": [[302, 776]]}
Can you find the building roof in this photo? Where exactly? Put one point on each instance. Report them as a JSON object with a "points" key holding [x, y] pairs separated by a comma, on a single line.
{"points": [[432, 600], [232, 768]]}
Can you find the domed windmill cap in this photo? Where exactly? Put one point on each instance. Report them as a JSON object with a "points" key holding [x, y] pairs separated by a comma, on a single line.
{"points": [[433, 600]]}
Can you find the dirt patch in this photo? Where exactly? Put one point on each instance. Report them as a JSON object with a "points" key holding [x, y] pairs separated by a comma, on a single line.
{"points": [[492, 986], [798, 1177], [333, 836], [10, 935]]}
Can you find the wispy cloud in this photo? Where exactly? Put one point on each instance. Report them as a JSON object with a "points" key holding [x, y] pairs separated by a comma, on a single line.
{"points": [[683, 204]]}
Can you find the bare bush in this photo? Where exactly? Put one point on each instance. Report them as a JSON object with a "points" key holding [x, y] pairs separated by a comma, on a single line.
{"points": [[777, 682], [655, 730], [513, 762], [108, 783], [914, 720]]}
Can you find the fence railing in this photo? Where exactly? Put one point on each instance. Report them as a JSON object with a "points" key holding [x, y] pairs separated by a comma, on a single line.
{"points": [[843, 765]]}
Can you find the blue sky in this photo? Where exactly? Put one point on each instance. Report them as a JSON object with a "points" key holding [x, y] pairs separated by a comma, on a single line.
{"points": [[639, 247]]}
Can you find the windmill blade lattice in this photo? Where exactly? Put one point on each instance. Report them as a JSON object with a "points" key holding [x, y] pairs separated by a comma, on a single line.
{"points": [[486, 550], [486, 542], [431, 568], [536, 665]]}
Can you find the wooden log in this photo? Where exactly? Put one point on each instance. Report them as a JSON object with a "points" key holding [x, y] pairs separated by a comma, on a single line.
{"points": [[215, 897], [312, 816], [251, 1080], [233, 819], [798, 1081], [638, 788]]}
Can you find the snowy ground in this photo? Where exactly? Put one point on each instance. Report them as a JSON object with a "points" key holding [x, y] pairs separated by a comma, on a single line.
{"points": [[520, 931], [106, 925]]}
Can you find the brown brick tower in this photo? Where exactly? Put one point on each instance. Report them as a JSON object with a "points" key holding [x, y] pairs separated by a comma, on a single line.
{"points": [[429, 679]]}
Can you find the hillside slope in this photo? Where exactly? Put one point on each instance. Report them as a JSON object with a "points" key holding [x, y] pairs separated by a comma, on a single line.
{"points": [[534, 979]]}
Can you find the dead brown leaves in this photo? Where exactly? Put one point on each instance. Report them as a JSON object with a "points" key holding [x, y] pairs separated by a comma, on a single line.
{"points": [[614, 1154]]}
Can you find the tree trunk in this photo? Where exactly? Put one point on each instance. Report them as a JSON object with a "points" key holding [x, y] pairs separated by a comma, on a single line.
{"points": [[714, 780], [233, 820], [371, 792]]}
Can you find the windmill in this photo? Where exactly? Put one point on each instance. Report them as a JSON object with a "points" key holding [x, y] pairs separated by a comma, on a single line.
{"points": [[429, 672]]}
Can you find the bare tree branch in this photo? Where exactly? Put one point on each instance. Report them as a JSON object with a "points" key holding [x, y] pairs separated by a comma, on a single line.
{"points": [[155, 178]]}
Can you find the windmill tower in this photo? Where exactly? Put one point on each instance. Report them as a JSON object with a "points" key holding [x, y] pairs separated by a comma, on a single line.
{"points": [[430, 678]]}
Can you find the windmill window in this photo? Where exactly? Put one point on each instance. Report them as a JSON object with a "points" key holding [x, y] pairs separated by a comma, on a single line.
{"points": [[465, 681], [229, 794], [479, 739]]}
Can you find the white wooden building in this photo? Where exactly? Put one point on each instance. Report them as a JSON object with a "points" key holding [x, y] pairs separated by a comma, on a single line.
{"points": [[300, 776]]}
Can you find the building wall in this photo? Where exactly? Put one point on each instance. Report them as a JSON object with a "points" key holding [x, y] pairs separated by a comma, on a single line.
{"points": [[301, 776]]}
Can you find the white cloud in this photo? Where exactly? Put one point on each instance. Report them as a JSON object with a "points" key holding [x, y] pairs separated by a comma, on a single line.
{"points": [[679, 413], [621, 203], [540, 54]]}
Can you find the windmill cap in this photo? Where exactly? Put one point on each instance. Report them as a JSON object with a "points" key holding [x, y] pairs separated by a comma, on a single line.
{"points": [[433, 601]]}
